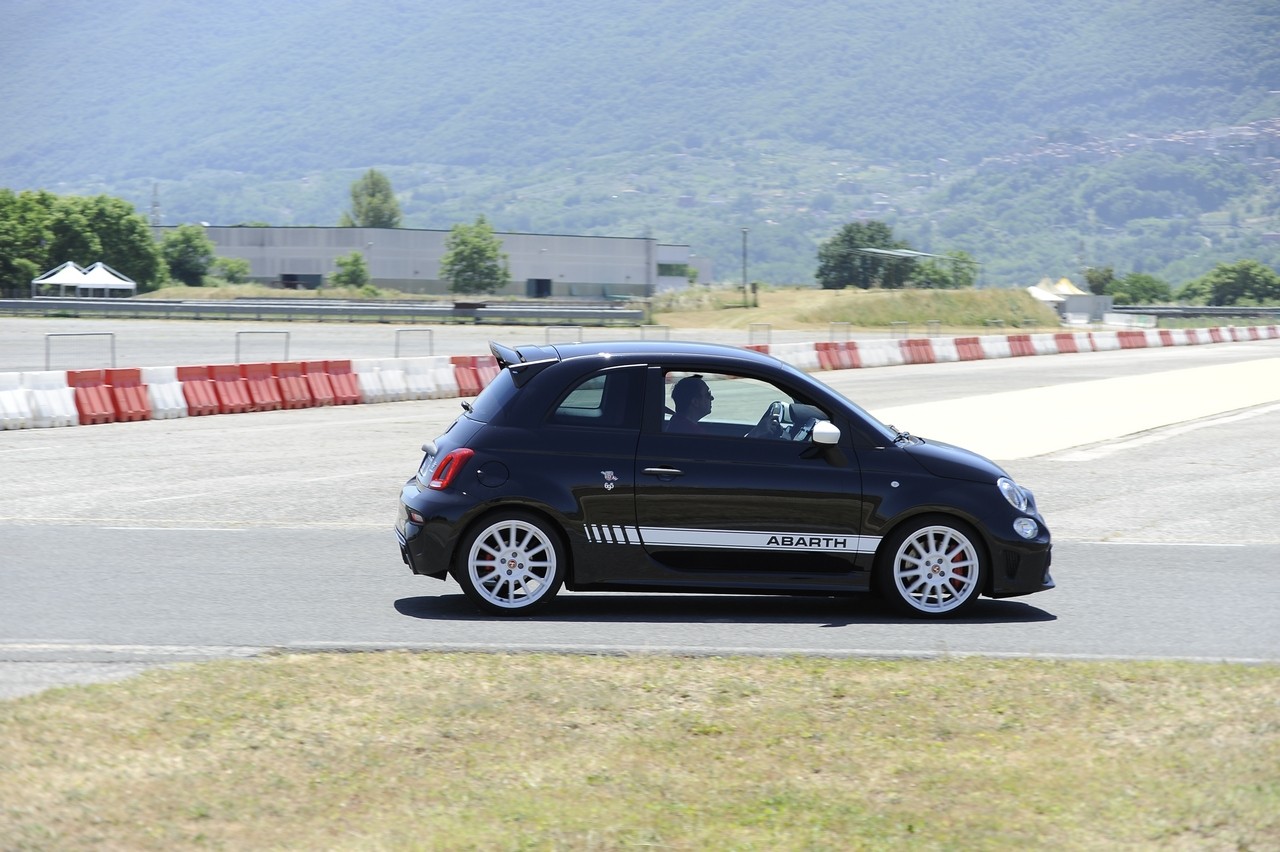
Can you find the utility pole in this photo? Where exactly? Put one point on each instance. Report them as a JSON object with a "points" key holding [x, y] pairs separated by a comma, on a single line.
{"points": [[155, 210]]}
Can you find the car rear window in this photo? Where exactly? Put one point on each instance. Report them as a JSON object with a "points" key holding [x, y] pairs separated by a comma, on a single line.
{"points": [[608, 400], [496, 396]]}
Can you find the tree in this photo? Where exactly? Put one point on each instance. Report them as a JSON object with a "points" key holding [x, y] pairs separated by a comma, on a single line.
{"points": [[373, 203], [1137, 288], [474, 261], [233, 270], [1245, 282], [71, 238], [352, 271], [188, 252], [1099, 279], [841, 261], [24, 238], [125, 239], [957, 270], [43, 230]]}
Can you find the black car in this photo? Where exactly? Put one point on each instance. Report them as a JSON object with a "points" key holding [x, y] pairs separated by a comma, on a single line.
{"points": [[686, 467]]}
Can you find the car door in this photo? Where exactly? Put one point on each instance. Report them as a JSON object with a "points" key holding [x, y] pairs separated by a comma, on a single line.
{"points": [[580, 467], [725, 505]]}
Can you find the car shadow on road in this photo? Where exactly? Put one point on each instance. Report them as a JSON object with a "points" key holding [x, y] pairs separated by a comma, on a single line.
{"points": [[654, 608]]}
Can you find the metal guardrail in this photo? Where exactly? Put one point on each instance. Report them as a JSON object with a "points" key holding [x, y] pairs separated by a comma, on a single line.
{"points": [[562, 313], [1190, 311]]}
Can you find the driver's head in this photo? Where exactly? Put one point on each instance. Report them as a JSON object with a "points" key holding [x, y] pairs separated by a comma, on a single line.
{"points": [[692, 397]]}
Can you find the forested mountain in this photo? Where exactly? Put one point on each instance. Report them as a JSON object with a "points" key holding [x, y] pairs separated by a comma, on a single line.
{"points": [[1004, 128]]}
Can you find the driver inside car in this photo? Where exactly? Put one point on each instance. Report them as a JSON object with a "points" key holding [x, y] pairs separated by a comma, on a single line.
{"points": [[692, 399]]}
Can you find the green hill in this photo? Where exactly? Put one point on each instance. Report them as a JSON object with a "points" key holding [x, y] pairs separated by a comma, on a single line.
{"points": [[688, 121]]}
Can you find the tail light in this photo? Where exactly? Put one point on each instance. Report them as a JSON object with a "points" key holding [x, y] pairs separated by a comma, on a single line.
{"points": [[449, 468]]}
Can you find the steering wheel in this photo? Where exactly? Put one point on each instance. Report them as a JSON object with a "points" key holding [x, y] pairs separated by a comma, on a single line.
{"points": [[802, 431], [770, 425]]}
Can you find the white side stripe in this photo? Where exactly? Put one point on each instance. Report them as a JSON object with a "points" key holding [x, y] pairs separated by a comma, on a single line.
{"points": [[730, 539], [611, 534], [759, 540]]}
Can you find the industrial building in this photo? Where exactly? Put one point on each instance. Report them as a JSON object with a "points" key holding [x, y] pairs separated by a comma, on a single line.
{"points": [[408, 260]]}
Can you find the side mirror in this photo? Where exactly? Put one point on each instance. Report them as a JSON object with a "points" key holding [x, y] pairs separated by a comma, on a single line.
{"points": [[826, 432]]}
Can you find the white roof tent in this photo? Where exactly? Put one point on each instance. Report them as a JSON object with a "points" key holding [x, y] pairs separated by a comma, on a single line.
{"points": [[98, 279]]}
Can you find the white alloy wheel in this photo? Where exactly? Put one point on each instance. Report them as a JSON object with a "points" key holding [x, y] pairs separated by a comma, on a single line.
{"points": [[513, 564], [933, 570]]}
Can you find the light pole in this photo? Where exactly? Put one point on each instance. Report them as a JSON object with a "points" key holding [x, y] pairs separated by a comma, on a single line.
{"points": [[745, 302]]}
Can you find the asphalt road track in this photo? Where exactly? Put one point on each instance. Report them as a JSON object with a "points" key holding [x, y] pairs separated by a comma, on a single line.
{"points": [[127, 545]]}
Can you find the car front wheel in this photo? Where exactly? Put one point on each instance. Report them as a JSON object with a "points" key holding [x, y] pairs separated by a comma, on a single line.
{"points": [[932, 568], [512, 564]]}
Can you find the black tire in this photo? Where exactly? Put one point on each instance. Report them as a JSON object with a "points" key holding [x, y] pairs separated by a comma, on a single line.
{"points": [[511, 563], [932, 567]]}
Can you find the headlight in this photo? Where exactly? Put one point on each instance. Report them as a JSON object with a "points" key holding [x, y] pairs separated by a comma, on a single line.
{"points": [[1026, 528], [1012, 492]]}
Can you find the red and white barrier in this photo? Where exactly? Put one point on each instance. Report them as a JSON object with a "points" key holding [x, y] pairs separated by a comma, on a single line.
{"points": [[880, 353], [319, 386], [446, 379], [53, 402], [419, 378], [164, 393], [366, 372], [128, 395], [15, 408], [345, 383], [945, 349], [294, 392], [995, 346], [391, 372], [67, 398]]}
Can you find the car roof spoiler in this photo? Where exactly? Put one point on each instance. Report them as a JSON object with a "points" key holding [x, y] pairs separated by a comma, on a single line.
{"points": [[524, 362]]}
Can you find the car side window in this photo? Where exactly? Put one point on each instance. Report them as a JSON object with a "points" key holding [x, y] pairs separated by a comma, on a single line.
{"points": [[601, 401], [726, 405]]}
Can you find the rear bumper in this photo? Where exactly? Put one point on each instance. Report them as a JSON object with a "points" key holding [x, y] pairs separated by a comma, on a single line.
{"points": [[426, 547]]}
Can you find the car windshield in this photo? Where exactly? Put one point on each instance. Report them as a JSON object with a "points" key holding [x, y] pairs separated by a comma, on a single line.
{"points": [[867, 417], [870, 419]]}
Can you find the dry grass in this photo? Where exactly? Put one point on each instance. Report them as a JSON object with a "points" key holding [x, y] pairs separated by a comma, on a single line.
{"points": [[784, 308], [807, 308], [511, 751]]}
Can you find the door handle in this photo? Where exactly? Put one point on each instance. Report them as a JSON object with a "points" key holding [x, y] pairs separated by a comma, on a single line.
{"points": [[663, 471]]}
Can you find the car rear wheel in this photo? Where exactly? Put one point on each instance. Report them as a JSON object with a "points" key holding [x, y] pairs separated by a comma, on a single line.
{"points": [[932, 568], [513, 564]]}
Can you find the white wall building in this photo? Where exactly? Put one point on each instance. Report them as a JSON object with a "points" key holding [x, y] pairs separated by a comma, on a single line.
{"points": [[541, 265]]}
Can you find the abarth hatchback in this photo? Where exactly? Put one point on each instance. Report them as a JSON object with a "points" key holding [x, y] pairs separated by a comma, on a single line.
{"points": [[689, 467]]}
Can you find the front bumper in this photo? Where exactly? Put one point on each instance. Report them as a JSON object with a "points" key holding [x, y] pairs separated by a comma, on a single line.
{"points": [[1020, 570]]}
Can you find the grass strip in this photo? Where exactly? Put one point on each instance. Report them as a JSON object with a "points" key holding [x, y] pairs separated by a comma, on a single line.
{"points": [[527, 751]]}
